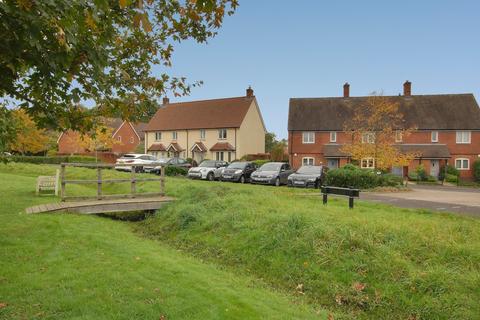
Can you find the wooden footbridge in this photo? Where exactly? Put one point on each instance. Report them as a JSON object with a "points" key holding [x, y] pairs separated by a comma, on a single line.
{"points": [[103, 203]]}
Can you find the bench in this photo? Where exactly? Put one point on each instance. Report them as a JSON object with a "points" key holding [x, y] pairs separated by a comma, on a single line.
{"points": [[48, 183], [351, 193]]}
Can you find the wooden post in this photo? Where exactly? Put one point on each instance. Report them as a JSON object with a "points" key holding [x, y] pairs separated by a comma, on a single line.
{"points": [[133, 186], [57, 181], [162, 180], [62, 181], [99, 183]]}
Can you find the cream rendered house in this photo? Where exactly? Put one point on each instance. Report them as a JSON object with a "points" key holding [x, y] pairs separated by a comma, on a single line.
{"points": [[222, 129]]}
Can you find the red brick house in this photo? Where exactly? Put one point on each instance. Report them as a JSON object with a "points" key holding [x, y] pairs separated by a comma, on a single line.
{"points": [[128, 135], [448, 130]]}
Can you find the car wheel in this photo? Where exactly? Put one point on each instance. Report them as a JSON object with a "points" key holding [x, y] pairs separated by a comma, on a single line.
{"points": [[242, 179], [277, 182], [210, 176]]}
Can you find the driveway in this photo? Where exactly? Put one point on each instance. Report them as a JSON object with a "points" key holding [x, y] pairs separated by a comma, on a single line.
{"points": [[437, 198]]}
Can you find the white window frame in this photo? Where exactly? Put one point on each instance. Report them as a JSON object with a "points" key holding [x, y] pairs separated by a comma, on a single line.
{"points": [[219, 156], [368, 137], [119, 138], [398, 136], [461, 163], [462, 135], [333, 136], [132, 140], [202, 134], [370, 163], [434, 136], [158, 136], [222, 134], [308, 137], [174, 135], [308, 160]]}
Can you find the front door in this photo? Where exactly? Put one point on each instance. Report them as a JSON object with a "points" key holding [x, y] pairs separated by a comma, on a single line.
{"points": [[198, 156], [434, 168], [332, 163]]}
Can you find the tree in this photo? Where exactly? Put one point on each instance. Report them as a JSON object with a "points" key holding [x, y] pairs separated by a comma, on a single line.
{"points": [[278, 151], [270, 141], [55, 54], [373, 130], [8, 128], [29, 138], [100, 140]]}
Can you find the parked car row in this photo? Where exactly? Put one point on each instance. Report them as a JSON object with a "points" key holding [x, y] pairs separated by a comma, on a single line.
{"points": [[271, 173]]}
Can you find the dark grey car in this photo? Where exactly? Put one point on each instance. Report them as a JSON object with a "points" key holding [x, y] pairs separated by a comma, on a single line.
{"points": [[239, 171], [307, 176], [273, 173]]}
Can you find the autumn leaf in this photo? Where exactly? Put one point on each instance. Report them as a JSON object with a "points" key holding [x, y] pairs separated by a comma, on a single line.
{"points": [[146, 23], [122, 3], [330, 317], [357, 286], [3, 305]]}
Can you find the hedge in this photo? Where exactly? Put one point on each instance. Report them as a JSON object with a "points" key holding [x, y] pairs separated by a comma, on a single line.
{"points": [[476, 170], [47, 160], [351, 176], [175, 171]]}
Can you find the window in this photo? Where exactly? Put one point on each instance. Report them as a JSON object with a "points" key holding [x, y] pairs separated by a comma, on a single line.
{"points": [[132, 140], [174, 135], [308, 137], [308, 161], [434, 136], [219, 155], [398, 136], [229, 156], [462, 164], [119, 138], [368, 137], [222, 134], [368, 163], [463, 136], [202, 134], [158, 136], [333, 136]]}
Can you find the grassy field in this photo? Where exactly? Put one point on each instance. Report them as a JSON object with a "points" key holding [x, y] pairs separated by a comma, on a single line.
{"points": [[235, 251], [56, 266]]}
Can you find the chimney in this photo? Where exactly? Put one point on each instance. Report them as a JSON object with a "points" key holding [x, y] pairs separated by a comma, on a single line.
{"points": [[165, 100], [407, 88], [249, 92], [346, 90]]}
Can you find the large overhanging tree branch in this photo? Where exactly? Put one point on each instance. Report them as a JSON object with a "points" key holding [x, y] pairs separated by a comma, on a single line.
{"points": [[55, 54]]}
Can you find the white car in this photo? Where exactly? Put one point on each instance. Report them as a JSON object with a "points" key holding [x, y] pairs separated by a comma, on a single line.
{"points": [[143, 162], [208, 170]]}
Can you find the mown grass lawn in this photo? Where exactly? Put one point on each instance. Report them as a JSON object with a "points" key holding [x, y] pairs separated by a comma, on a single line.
{"points": [[281, 253], [59, 266]]}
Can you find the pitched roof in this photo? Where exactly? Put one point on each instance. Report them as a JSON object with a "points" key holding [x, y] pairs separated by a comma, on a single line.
{"points": [[204, 114], [426, 151], [157, 147], [222, 146], [140, 128], [438, 112], [200, 146], [175, 146]]}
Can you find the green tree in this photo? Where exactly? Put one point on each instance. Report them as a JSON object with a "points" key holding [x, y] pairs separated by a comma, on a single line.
{"points": [[8, 128], [270, 141], [55, 54]]}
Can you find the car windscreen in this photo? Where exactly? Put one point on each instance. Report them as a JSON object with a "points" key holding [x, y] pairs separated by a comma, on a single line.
{"points": [[237, 165], [164, 160], [270, 167], [128, 156], [309, 170], [207, 164]]}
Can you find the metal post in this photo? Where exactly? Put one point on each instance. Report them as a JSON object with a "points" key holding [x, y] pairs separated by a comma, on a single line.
{"points": [[133, 186], [99, 183], [350, 202], [62, 182], [162, 180], [325, 198]]}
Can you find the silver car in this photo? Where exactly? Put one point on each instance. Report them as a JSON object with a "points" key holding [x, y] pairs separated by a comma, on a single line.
{"points": [[208, 170], [142, 162]]}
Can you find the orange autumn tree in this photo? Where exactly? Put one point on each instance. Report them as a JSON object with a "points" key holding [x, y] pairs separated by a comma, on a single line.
{"points": [[375, 127], [29, 139], [100, 139]]}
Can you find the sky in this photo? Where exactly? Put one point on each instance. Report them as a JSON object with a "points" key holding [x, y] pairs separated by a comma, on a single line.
{"points": [[310, 48]]}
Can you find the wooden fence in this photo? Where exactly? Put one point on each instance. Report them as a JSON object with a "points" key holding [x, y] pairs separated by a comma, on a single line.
{"points": [[100, 181]]}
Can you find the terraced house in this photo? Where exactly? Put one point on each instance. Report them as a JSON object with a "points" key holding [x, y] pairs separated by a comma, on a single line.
{"points": [[222, 129], [447, 130]]}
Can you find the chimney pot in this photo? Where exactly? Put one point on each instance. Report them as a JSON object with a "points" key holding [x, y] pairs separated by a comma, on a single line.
{"points": [[346, 90], [249, 92], [165, 100], [407, 88]]}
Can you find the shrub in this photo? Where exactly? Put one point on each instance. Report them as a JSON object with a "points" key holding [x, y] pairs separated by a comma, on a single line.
{"points": [[50, 160], [451, 178], [421, 173], [351, 176], [476, 170], [175, 171], [260, 163]]}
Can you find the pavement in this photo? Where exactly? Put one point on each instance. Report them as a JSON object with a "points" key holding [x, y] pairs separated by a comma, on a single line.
{"points": [[458, 200]]}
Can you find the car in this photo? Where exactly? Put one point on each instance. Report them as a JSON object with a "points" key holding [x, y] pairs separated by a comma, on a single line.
{"points": [[307, 176], [5, 154], [141, 161], [239, 171], [171, 162], [273, 173], [208, 170]]}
